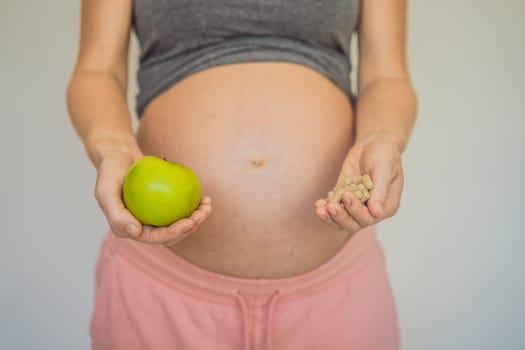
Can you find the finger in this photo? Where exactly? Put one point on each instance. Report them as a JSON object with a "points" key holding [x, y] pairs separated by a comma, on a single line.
{"points": [[165, 234], [201, 213], [341, 217], [198, 217], [357, 210], [393, 197], [325, 216], [382, 177], [180, 229], [108, 195], [205, 205], [188, 231], [206, 200], [321, 203]]}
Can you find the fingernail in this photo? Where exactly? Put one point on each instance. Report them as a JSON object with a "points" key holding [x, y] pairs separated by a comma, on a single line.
{"points": [[132, 229], [201, 219], [379, 207], [187, 228], [347, 200], [333, 211]]}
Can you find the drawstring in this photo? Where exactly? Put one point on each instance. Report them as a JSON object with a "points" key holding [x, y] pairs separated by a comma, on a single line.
{"points": [[246, 321], [269, 320]]}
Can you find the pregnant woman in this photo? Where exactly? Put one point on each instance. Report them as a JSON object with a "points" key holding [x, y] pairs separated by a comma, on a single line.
{"points": [[255, 97]]}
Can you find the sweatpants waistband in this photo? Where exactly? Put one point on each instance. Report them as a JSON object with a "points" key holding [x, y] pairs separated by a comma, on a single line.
{"points": [[165, 266]]}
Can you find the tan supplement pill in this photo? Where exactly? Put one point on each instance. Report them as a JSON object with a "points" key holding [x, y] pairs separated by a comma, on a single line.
{"points": [[351, 188], [356, 180], [366, 195], [367, 181], [338, 195], [359, 185]]}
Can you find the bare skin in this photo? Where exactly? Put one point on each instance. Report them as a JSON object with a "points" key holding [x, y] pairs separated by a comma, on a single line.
{"points": [[268, 139], [264, 155]]}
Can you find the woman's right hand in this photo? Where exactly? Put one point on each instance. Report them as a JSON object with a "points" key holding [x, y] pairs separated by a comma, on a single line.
{"points": [[111, 171]]}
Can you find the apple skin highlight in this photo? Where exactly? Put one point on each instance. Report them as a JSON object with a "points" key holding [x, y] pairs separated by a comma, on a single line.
{"points": [[159, 192]]}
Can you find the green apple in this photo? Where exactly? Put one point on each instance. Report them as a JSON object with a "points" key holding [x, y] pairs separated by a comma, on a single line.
{"points": [[159, 192]]}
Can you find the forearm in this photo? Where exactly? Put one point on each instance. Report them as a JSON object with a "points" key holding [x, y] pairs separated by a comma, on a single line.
{"points": [[98, 111], [386, 108]]}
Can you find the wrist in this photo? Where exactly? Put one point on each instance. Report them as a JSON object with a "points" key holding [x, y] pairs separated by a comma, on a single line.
{"points": [[395, 139], [103, 144], [386, 112]]}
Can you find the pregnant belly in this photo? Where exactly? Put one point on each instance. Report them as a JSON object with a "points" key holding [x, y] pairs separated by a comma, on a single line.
{"points": [[267, 140]]}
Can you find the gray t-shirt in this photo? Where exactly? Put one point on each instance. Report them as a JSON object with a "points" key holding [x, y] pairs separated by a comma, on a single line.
{"points": [[180, 37]]}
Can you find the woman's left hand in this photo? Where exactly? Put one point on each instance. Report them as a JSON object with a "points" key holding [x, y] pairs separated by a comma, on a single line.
{"points": [[381, 159]]}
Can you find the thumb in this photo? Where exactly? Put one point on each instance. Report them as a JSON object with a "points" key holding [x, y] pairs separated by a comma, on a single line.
{"points": [[381, 177]]}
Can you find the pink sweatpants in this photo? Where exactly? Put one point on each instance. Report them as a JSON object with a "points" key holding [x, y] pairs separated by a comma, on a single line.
{"points": [[149, 298]]}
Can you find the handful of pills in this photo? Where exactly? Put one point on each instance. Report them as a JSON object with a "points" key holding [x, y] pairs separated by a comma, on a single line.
{"points": [[358, 185]]}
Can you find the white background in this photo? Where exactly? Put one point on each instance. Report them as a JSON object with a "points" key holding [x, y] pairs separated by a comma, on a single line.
{"points": [[454, 250]]}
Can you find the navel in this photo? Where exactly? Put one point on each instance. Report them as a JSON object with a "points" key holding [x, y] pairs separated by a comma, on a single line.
{"points": [[257, 162]]}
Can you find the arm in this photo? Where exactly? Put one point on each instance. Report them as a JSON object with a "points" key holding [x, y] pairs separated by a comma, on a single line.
{"points": [[385, 115], [96, 94], [96, 99], [387, 101]]}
